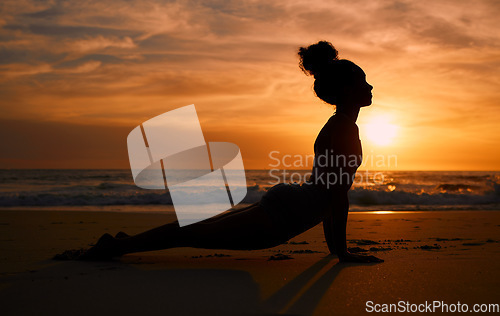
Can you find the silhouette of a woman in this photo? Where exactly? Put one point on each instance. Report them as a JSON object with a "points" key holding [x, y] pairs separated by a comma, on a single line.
{"points": [[286, 210]]}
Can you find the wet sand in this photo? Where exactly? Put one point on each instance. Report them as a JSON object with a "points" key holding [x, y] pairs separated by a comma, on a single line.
{"points": [[449, 256]]}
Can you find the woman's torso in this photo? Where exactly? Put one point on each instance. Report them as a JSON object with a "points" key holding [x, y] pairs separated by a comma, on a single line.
{"points": [[294, 208], [337, 154]]}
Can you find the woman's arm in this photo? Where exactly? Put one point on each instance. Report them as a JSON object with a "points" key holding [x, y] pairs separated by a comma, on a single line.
{"points": [[335, 227]]}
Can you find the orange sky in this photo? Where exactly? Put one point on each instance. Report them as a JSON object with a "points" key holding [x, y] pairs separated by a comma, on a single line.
{"points": [[76, 78]]}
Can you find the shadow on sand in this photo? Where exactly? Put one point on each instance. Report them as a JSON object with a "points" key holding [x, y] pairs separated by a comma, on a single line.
{"points": [[79, 288]]}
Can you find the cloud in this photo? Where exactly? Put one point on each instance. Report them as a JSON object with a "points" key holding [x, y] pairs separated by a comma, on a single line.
{"points": [[14, 70], [100, 42]]}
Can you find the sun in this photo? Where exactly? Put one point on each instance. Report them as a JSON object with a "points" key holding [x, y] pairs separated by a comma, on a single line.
{"points": [[380, 131]]}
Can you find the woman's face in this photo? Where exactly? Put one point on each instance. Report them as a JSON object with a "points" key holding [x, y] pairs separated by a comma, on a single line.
{"points": [[359, 92]]}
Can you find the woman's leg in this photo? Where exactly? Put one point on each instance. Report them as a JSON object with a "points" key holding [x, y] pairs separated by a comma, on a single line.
{"points": [[244, 229]]}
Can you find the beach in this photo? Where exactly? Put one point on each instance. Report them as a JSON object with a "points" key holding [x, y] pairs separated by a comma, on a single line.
{"points": [[446, 256]]}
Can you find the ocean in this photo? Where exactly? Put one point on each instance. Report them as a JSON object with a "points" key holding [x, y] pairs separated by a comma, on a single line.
{"points": [[114, 190]]}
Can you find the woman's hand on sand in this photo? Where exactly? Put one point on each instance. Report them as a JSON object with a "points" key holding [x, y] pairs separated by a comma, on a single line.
{"points": [[350, 257]]}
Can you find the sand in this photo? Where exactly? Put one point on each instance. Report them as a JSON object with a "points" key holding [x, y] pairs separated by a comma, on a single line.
{"points": [[448, 256]]}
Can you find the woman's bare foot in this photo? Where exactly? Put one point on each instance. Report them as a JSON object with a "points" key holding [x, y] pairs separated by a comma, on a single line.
{"points": [[106, 248], [121, 235]]}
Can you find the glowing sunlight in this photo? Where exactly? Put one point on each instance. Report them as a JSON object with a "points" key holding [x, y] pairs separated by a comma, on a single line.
{"points": [[380, 131]]}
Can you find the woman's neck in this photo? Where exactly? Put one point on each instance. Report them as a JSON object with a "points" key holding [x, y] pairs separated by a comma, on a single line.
{"points": [[351, 112]]}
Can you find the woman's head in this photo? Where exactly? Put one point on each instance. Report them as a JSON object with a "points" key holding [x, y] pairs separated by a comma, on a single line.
{"points": [[338, 82]]}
